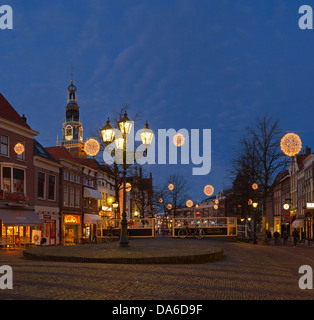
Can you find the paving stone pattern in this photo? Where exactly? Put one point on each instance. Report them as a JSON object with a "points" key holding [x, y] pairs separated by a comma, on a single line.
{"points": [[247, 272]]}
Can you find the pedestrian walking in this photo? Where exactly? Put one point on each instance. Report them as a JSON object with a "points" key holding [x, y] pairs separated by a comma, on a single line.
{"points": [[285, 237], [276, 236], [268, 237], [295, 235]]}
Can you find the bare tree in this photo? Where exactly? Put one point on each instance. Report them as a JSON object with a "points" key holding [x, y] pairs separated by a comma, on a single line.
{"points": [[260, 160], [176, 197]]}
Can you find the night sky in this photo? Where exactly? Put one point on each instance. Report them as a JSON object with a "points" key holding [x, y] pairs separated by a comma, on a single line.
{"points": [[194, 64]]}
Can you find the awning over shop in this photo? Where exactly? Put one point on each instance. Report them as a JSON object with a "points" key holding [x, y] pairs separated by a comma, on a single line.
{"points": [[19, 217], [91, 218], [92, 193], [298, 224]]}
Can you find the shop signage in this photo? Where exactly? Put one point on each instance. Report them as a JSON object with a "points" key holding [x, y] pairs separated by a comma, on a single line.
{"points": [[13, 197], [46, 217], [72, 219]]}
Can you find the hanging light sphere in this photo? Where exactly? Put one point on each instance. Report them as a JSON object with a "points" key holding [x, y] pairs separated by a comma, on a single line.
{"points": [[250, 202], [92, 147], [169, 206], [209, 190], [216, 207], [291, 144], [189, 203], [255, 186], [179, 140], [19, 148], [216, 201], [171, 187], [161, 200]]}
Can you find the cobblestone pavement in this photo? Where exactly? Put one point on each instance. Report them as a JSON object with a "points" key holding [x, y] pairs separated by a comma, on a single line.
{"points": [[247, 272]]}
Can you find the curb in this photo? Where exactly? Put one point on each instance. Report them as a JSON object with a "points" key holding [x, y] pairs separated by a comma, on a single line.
{"points": [[195, 259]]}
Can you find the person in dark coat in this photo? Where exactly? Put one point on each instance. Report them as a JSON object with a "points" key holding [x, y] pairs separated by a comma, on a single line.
{"points": [[276, 236], [295, 235]]}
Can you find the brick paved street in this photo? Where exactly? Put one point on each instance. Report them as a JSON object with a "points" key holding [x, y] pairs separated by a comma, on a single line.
{"points": [[246, 272]]}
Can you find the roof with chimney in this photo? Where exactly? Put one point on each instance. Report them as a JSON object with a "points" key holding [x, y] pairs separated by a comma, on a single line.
{"points": [[9, 113]]}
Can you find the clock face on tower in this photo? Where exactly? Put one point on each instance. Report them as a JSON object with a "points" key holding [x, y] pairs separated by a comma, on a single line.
{"points": [[68, 133]]}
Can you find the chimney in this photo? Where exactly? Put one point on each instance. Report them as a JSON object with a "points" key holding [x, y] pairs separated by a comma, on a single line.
{"points": [[308, 151], [24, 118]]}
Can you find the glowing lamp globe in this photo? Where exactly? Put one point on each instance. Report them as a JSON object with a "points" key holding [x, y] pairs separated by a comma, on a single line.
{"points": [[147, 135], [189, 203], [216, 207], [179, 140], [108, 133], [19, 148], [161, 200], [169, 206], [216, 201], [291, 144], [209, 190], [92, 147], [171, 187], [110, 200]]}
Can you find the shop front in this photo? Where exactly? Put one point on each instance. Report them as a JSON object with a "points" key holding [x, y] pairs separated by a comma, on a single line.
{"points": [[17, 224], [90, 227], [50, 228], [72, 229]]}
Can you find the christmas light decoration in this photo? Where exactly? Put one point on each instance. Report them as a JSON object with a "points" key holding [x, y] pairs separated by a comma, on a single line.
{"points": [[255, 186], [171, 187], [179, 140], [209, 190], [92, 147], [189, 203], [291, 144], [19, 148]]}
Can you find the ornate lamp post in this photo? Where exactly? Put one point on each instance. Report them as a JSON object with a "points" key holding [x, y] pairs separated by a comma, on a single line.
{"points": [[108, 134]]}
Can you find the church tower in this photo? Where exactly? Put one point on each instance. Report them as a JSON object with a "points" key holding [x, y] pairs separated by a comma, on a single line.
{"points": [[72, 129]]}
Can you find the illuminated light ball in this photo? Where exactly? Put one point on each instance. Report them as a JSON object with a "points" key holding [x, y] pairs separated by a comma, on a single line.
{"points": [[250, 202], [171, 187], [179, 140], [216, 207], [128, 187], [92, 147], [19, 148], [209, 190], [291, 144], [255, 186], [169, 206], [286, 206], [189, 203], [161, 200], [216, 201]]}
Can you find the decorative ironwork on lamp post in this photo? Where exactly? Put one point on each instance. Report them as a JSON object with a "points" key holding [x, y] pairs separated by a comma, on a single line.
{"points": [[108, 135]]}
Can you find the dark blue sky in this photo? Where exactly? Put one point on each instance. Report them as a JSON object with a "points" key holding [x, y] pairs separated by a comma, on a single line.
{"points": [[193, 64]]}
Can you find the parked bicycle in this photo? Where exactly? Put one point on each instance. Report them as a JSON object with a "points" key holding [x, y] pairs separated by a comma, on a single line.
{"points": [[109, 236], [198, 233]]}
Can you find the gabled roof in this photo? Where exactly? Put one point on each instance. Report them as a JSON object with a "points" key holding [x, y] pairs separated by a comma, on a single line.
{"points": [[60, 153], [40, 151], [8, 112]]}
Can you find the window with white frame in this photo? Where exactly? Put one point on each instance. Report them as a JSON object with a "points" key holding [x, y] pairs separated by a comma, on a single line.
{"points": [[4, 148]]}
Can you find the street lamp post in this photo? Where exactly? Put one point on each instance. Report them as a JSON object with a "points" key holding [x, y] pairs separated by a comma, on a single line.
{"points": [[255, 204], [108, 134]]}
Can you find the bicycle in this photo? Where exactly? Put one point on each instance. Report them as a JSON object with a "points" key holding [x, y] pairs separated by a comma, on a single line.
{"points": [[109, 236], [198, 233]]}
